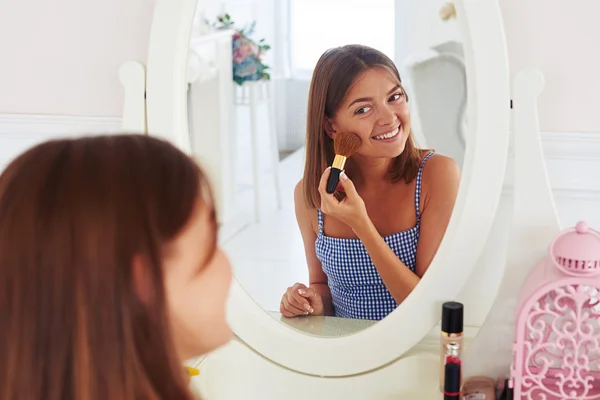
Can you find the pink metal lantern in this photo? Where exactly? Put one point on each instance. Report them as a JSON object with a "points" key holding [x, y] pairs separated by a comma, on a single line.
{"points": [[556, 354]]}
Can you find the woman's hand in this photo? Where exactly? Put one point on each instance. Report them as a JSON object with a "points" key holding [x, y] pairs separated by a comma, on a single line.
{"points": [[300, 300], [351, 209]]}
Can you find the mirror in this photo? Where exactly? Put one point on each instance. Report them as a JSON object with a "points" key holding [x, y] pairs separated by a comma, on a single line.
{"points": [[172, 68], [249, 73]]}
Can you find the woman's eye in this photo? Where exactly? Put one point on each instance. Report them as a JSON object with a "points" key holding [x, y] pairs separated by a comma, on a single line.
{"points": [[397, 96], [362, 110]]}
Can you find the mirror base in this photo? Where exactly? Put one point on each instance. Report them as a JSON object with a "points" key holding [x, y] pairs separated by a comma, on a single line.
{"points": [[236, 372]]}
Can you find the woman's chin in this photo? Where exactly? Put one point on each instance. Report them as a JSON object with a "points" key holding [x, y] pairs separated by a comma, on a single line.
{"points": [[396, 150], [208, 342], [224, 337]]}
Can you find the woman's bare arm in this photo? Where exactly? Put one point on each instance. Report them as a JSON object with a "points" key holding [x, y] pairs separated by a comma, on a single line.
{"points": [[306, 218], [441, 177]]}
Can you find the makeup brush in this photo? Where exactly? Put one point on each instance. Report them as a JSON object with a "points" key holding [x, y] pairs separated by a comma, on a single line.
{"points": [[345, 144]]}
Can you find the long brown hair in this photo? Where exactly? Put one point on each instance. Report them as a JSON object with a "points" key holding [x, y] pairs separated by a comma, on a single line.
{"points": [[333, 76], [73, 215]]}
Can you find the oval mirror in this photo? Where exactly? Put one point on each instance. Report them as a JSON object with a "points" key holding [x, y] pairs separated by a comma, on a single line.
{"points": [[230, 83]]}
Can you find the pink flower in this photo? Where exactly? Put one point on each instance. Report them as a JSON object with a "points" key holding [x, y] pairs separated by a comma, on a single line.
{"points": [[244, 50]]}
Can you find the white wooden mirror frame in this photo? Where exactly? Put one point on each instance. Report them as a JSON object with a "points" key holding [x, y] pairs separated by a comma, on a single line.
{"points": [[156, 103], [527, 215]]}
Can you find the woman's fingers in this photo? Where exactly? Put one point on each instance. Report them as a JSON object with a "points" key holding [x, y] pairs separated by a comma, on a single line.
{"points": [[307, 293], [293, 303], [316, 301], [323, 182], [327, 200], [297, 300], [286, 313], [347, 185], [289, 311]]}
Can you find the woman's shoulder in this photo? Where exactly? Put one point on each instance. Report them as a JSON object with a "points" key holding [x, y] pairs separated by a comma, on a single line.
{"points": [[439, 161], [304, 213], [441, 171], [300, 198], [299, 190]]}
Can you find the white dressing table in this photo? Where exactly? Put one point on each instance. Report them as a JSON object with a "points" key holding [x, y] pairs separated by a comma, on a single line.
{"points": [[398, 357], [231, 373]]}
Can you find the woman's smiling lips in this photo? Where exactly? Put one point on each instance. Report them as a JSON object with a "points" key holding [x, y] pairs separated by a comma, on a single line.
{"points": [[388, 136]]}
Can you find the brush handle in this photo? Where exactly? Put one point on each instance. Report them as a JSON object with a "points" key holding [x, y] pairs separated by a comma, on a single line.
{"points": [[333, 180]]}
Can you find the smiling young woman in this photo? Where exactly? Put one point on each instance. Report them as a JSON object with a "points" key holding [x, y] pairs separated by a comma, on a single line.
{"points": [[366, 253]]}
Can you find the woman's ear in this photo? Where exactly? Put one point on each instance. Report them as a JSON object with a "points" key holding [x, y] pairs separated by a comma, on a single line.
{"points": [[328, 127]]}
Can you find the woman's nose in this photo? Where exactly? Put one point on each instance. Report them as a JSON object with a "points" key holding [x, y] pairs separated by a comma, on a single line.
{"points": [[386, 116]]}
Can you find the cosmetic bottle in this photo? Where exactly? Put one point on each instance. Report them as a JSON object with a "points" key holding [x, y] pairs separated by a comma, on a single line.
{"points": [[452, 332]]}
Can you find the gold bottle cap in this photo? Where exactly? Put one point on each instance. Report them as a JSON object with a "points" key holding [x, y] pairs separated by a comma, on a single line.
{"points": [[451, 335]]}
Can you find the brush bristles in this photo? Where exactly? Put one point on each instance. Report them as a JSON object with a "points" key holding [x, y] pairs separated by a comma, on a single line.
{"points": [[346, 143]]}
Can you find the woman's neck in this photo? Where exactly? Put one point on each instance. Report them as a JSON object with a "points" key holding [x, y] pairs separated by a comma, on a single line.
{"points": [[368, 172]]}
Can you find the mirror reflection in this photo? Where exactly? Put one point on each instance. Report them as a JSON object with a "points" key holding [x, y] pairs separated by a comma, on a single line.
{"points": [[280, 91]]}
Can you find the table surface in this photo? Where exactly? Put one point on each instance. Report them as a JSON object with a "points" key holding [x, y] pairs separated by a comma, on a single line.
{"points": [[322, 325]]}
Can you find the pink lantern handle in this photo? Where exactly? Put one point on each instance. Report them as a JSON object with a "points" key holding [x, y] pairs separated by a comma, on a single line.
{"points": [[582, 228]]}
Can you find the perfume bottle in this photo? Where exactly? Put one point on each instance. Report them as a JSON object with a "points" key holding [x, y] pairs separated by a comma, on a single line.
{"points": [[452, 333]]}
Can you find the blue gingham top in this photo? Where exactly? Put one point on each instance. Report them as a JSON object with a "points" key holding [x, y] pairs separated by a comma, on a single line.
{"points": [[356, 287]]}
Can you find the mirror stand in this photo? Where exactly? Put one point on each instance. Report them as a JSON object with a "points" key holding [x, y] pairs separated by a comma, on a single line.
{"points": [[534, 225], [132, 75]]}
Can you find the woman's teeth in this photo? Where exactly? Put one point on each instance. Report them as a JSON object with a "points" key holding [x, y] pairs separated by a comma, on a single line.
{"points": [[388, 135]]}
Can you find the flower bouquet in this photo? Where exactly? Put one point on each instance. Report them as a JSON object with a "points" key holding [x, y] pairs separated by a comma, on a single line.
{"points": [[247, 53]]}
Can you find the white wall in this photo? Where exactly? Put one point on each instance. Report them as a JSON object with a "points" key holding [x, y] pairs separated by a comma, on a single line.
{"points": [[561, 38], [558, 37], [62, 56]]}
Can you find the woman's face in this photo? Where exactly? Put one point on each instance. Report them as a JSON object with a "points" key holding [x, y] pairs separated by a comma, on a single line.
{"points": [[375, 108], [197, 285]]}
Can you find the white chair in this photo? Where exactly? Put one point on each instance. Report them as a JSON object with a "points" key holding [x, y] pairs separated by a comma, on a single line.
{"points": [[253, 94], [437, 86]]}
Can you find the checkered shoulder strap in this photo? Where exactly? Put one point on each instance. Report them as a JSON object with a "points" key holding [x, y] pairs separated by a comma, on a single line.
{"points": [[320, 221], [418, 185]]}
